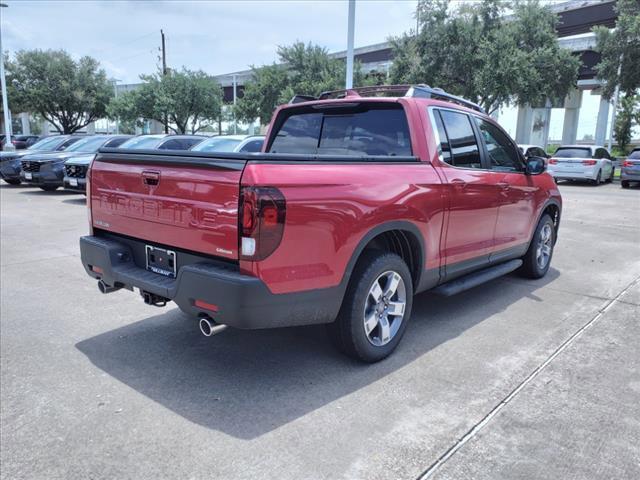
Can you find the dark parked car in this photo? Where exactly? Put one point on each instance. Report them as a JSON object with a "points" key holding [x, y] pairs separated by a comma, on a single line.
{"points": [[163, 142], [75, 168], [630, 171], [24, 141], [46, 170], [10, 161]]}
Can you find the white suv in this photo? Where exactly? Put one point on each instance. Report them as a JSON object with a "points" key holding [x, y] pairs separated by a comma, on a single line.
{"points": [[581, 162]]}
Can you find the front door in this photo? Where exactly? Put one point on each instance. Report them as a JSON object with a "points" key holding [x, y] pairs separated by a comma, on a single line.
{"points": [[516, 191]]}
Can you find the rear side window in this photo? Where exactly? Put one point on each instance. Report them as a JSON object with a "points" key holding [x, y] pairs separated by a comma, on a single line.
{"points": [[462, 140], [502, 152], [361, 130], [573, 153]]}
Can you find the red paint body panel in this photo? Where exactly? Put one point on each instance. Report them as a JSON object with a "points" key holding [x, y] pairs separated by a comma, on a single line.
{"points": [[330, 208], [461, 214], [191, 208]]}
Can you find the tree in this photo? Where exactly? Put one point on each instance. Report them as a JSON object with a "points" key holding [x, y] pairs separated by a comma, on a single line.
{"points": [[185, 101], [303, 69], [627, 115], [620, 51], [69, 94], [477, 53]]}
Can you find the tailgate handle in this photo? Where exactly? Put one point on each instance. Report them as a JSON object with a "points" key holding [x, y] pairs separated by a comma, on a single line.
{"points": [[150, 178]]}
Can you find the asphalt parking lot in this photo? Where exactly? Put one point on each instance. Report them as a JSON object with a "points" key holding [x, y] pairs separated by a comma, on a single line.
{"points": [[513, 379]]}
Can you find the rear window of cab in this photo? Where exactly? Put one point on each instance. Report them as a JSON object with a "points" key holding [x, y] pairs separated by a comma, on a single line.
{"points": [[345, 129]]}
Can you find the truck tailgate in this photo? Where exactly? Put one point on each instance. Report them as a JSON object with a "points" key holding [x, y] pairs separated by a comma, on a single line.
{"points": [[170, 199]]}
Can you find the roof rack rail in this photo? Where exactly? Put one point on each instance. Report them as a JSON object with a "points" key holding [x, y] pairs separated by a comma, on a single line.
{"points": [[421, 90], [425, 91], [301, 98], [395, 90]]}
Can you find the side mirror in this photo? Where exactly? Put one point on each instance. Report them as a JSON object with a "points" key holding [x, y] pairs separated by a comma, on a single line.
{"points": [[535, 166]]}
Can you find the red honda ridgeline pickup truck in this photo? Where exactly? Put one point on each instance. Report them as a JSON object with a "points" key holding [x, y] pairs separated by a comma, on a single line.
{"points": [[361, 199]]}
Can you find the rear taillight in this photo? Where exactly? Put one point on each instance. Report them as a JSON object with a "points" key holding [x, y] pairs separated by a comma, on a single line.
{"points": [[263, 211], [627, 163], [588, 163], [553, 161], [88, 197]]}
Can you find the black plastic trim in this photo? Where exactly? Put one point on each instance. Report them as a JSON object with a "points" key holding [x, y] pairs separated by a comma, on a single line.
{"points": [[243, 301]]}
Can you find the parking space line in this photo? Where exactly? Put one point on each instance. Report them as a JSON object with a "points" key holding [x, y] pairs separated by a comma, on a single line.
{"points": [[503, 403]]}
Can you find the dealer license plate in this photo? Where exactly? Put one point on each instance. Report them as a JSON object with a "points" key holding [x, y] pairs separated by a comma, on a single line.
{"points": [[161, 261]]}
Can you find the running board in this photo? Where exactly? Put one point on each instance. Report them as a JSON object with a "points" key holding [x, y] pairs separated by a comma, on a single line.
{"points": [[476, 278]]}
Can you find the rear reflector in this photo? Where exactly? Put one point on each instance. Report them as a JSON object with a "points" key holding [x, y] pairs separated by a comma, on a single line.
{"points": [[97, 269], [207, 306]]}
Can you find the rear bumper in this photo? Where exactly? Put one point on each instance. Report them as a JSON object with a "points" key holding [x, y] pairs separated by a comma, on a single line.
{"points": [[629, 176], [241, 301], [81, 184], [587, 174]]}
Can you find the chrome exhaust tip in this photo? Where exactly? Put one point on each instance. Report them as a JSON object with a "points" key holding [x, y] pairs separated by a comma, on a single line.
{"points": [[209, 328], [104, 288]]}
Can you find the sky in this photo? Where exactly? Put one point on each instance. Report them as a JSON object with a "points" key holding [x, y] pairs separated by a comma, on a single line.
{"points": [[216, 36]]}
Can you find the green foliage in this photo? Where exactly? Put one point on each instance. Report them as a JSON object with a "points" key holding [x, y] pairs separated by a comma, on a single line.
{"points": [[620, 50], [185, 101], [303, 69], [70, 94], [476, 53], [628, 114]]}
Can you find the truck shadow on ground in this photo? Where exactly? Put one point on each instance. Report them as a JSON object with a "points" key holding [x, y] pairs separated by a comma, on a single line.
{"points": [[41, 193], [248, 383]]}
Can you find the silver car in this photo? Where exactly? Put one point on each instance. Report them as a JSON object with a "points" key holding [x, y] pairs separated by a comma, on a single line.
{"points": [[581, 162], [630, 170]]}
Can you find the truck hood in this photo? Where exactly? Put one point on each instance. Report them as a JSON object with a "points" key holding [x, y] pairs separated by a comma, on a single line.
{"points": [[17, 154], [53, 157], [85, 159]]}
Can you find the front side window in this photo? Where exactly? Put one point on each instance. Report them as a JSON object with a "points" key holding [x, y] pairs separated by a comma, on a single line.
{"points": [[462, 140], [502, 152], [360, 130]]}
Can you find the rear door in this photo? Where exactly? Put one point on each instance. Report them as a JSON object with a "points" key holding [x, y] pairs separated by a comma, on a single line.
{"points": [[187, 202], [472, 194]]}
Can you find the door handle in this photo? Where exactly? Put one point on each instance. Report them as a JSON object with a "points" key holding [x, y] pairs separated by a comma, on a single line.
{"points": [[150, 178], [503, 185], [458, 183]]}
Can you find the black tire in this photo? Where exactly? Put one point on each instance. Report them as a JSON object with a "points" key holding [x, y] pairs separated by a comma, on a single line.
{"points": [[598, 179], [49, 188], [348, 331], [12, 181], [531, 267], [625, 183]]}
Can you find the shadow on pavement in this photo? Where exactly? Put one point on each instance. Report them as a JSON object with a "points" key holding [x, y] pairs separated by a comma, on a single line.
{"points": [[39, 192], [76, 201], [247, 383]]}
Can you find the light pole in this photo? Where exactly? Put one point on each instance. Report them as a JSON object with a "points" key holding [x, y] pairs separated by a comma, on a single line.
{"points": [[350, 28], [115, 93], [8, 146]]}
